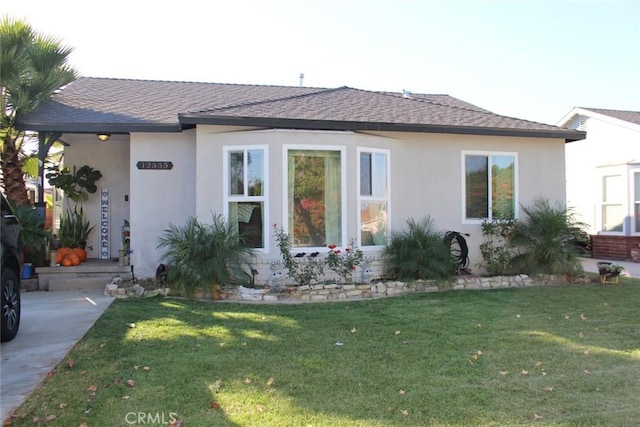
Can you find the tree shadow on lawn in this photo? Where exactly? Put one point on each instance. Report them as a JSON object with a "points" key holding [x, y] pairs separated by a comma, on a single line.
{"points": [[235, 364]]}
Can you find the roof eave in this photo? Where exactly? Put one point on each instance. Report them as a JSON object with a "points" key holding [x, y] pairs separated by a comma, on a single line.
{"points": [[198, 119], [113, 128]]}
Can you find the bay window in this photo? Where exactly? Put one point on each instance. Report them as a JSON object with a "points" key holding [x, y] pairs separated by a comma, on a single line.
{"points": [[315, 196], [245, 183], [373, 196]]}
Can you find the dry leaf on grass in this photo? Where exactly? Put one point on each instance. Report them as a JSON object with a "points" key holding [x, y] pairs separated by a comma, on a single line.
{"points": [[70, 363], [131, 383]]}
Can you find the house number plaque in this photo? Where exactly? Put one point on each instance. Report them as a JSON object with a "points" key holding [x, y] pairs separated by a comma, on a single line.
{"points": [[155, 165]]}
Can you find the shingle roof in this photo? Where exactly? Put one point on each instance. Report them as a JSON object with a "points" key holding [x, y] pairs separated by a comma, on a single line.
{"points": [[120, 106], [628, 116]]}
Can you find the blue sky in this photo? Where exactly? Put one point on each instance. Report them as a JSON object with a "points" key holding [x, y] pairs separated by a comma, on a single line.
{"points": [[530, 59]]}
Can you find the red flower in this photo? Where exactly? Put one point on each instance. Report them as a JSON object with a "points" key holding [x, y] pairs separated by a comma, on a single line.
{"points": [[353, 267], [347, 249], [331, 246], [337, 251]]}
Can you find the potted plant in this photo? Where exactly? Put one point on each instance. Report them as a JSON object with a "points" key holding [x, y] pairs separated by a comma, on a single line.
{"points": [[609, 272], [74, 229], [609, 269], [76, 186], [33, 237]]}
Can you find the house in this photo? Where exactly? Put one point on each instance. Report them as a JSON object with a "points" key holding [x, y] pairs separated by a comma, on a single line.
{"points": [[328, 165], [603, 178]]}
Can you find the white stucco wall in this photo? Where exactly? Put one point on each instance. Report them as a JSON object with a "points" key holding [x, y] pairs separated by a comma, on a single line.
{"points": [[159, 197], [609, 142], [426, 173], [426, 179]]}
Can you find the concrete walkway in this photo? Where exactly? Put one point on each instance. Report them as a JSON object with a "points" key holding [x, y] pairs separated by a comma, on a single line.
{"points": [[51, 324]]}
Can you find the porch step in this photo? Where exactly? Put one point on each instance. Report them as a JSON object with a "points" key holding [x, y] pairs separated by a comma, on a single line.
{"points": [[92, 274]]}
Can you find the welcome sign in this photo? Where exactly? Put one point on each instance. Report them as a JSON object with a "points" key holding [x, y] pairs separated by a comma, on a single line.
{"points": [[104, 223]]}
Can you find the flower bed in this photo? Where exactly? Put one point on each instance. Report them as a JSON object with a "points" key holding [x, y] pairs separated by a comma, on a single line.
{"points": [[376, 289]]}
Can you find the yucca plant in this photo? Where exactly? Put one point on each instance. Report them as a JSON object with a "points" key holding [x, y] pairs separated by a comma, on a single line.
{"points": [[74, 229], [205, 255], [545, 239], [418, 253]]}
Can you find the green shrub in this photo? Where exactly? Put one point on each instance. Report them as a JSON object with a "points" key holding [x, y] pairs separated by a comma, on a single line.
{"points": [[497, 250], [545, 240], [205, 255], [33, 237], [418, 253], [304, 271]]}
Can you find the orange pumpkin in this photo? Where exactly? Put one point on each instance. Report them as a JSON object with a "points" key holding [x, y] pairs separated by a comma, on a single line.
{"points": [[73, 258], [61, 253], [66, 262], [80, 253]]}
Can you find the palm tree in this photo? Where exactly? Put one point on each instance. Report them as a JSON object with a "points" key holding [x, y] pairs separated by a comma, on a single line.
{"points": [[32, 68]]}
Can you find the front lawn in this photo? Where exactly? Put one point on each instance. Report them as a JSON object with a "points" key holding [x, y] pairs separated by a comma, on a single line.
{"points": [[567, 355]]}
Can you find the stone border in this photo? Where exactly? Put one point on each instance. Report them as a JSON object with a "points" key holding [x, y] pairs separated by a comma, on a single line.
{"points": [[340, 292]]}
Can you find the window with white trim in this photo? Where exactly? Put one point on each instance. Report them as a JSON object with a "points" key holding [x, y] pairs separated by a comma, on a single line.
{"points": [[636, 204], [245, 179], [373, 196], [315, 196], [612, 201], [490, 185]]}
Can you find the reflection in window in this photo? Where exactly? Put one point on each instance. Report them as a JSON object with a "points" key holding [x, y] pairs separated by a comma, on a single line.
{"points": [[490, 186], [374, 197], [245, 197], [314, 197]]}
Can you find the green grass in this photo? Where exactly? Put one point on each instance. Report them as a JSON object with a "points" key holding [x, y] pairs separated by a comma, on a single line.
{"points": [[449, 358]]}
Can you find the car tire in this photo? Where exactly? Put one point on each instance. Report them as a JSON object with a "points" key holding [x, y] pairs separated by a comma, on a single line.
{"points": [[10, 291]]}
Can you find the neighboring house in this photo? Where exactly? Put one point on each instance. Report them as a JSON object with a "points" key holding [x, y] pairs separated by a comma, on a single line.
{"points": [[603, 178], [329, 165]]}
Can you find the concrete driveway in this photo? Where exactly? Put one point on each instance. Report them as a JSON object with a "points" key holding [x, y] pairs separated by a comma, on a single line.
{"points": [[51, 324]]}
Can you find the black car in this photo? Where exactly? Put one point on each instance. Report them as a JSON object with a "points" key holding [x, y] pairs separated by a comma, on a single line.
{"points": [[10, 286]]}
